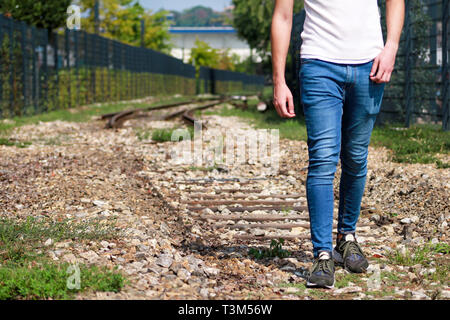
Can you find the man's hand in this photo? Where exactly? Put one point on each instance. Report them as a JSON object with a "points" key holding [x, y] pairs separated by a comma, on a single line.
{"points": [[281, 95], [280, 36], [383, 65]]}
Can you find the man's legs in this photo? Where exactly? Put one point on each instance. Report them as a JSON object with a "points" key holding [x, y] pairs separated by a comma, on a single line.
{"points": [[322, 87], [361, 106], [339, 102], [322, 98]]}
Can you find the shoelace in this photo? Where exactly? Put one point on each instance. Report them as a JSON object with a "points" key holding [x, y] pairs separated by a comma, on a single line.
{"points": [[323, 265], [349, 248]]}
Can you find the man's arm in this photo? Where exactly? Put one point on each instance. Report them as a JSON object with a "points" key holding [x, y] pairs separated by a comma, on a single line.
{"points": [[384, 63], [280, 37]]}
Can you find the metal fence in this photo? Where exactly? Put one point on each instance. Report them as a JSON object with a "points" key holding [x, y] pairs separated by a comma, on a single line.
{"points": [[224, 81], [41, 71], [419, 88]]}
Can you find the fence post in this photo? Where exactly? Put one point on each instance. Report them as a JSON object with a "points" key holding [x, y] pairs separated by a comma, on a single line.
{"points": [[87, 69], [408, 61], [1, 67], [77, 66], [23, 32], [11, 68], [445, 72], [45, 65], [67, 58], [56, 60], [33, 77]]}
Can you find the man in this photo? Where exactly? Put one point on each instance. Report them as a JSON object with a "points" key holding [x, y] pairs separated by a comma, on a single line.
{"points": [[344, 68]]}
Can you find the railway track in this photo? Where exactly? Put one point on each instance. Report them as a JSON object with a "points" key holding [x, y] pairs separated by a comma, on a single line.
{"points": [[238, 209], [248, 211], [184, 109]]}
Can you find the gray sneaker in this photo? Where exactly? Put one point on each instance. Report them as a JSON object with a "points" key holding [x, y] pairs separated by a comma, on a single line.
{"points": [[322, 272], [348, 254]]}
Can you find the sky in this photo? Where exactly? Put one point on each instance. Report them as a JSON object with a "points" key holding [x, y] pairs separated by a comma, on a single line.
{"points": [[180, 5]]}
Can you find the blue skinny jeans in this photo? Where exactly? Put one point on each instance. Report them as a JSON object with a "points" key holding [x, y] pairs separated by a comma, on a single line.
{"points": [[340, 104]]}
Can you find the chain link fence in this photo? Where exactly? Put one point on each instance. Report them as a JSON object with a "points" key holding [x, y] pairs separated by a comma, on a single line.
{"points": [[42, 71]]}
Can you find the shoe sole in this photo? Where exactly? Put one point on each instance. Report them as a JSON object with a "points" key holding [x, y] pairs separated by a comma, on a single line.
{"points": [[315, 285]]}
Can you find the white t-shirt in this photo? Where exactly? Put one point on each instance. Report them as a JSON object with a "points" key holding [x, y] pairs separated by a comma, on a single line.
{"points": [[342, 31]]}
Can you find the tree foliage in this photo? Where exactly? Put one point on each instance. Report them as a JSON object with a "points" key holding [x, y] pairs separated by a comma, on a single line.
{"points": [[121, 20], [47, 14], [202, 54], [206, 56], [252, 20]]}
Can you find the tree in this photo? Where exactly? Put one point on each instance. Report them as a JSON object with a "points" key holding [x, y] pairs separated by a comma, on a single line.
{"points": [[247, 65], [201, 16], [121, 20], [203, 55], [252, 20], [46, 14], [227, 61]]}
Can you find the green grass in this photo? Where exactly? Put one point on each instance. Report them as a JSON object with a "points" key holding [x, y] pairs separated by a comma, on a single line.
{"points": [[391, 277], [300, 286], [381, 293], [165, 135], [20, 239], [423, 254], [342, 280], [10, 143], [26, 271], [50, 281], [418, 144]]}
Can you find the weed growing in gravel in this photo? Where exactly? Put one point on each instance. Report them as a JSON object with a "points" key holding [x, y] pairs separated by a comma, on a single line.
{"points": [[142, 135], [164, 135], [423, 254], [275, 250], [342, 280], [381, 293]]}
